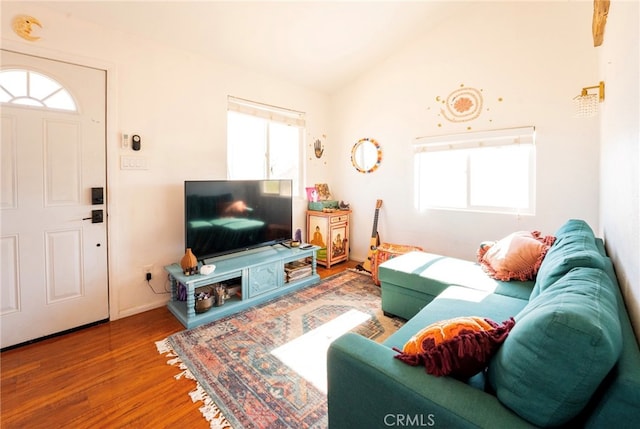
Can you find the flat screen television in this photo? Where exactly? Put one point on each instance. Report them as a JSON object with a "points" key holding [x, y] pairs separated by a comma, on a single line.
{"points": [[227, 216]]}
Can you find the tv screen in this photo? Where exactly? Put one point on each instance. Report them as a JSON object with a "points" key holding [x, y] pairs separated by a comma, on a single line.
{"points": [[226, 216]]}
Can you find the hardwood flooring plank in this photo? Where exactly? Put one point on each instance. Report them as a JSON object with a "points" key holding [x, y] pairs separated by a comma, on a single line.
{"points": [[104, 376]]}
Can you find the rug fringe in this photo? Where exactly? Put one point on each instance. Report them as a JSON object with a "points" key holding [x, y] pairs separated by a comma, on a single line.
{"points": [[164, 347], [209, 409]]}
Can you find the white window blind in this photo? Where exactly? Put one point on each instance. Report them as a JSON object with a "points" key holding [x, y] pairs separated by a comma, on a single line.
{"points": [[265, 111], [479, 139]]}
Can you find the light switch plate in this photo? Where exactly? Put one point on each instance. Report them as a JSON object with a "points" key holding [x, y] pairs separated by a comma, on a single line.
{"points": [[133, 163]]}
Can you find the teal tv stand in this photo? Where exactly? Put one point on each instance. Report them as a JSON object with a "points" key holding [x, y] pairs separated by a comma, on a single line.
{"points": [[259, 272]]}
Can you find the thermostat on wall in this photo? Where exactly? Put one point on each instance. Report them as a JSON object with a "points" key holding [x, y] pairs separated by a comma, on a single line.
{"points": [[135, 142]]}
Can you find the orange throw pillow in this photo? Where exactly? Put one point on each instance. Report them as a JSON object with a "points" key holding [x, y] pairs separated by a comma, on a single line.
{"points": [[518, 256], [460, 347]]}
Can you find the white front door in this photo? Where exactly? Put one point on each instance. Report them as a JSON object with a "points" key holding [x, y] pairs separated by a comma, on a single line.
{"points": [[54, 254]]}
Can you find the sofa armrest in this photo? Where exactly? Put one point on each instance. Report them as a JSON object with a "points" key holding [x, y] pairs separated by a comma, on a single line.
{"points": [[367, 387]]}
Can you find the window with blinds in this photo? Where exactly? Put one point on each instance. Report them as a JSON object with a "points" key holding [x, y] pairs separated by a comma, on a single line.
{"points": [[488, 171], [264, 142]]}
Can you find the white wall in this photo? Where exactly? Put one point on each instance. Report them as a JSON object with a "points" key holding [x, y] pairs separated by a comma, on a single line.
{"points": [[176, 101], [620, 149], [536, 59]]}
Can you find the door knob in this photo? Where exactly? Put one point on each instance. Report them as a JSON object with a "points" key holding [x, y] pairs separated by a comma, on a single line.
{"points": [[97, 216]]}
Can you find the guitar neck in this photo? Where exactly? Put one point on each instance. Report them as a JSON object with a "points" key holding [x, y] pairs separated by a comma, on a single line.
{"points": [[374, 230], [373, 244]]}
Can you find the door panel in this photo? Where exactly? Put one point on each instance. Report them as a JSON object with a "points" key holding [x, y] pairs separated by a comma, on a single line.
{"points": [[8, 172], [63, 171], [54, 259], [10, 301], [63, 275]]}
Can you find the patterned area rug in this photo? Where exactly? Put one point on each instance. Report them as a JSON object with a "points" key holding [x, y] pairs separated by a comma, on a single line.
{"points": [[265, 367]]}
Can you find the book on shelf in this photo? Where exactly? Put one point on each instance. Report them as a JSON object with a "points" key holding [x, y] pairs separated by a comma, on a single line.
{"points": [[298, 274], [296, 265], [296, 270]]}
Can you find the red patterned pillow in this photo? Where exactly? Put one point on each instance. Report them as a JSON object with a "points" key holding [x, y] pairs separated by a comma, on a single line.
{"points": [[460, 347], [518, 256]]}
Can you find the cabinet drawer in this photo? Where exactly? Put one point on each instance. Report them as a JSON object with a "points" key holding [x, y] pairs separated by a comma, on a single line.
{"points": [[337, 219]]}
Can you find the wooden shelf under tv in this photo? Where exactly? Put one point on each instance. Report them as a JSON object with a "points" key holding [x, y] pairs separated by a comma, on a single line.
{"points": [[260, 272]]}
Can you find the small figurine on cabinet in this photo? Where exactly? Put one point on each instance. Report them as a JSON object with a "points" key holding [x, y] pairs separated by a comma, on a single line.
{"points": [[317, 238]]}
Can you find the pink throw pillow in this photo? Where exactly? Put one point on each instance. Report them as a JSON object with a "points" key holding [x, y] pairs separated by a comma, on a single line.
{"points": [[518, 256]]}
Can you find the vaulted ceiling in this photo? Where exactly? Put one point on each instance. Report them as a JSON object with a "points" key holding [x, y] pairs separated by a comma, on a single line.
{"points": [[318, 44]]}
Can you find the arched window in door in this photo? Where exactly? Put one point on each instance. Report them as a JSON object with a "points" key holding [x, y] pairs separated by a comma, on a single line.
{"points": [[30, 88]]}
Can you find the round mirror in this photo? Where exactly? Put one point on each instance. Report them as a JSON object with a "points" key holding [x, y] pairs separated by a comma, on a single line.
{"points": [[366, 155]]}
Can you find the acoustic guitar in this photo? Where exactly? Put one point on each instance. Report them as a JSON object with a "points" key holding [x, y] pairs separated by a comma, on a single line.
{"points": [[374, 242]]}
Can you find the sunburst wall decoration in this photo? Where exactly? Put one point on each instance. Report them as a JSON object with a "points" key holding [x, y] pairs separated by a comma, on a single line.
{"points": [[464, 104], [461, 105]]}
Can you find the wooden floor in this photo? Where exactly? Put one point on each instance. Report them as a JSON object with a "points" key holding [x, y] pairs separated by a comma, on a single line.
{"points": [[105, 376]]}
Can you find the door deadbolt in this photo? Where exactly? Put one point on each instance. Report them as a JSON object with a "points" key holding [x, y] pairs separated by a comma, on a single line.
{"points": [[97, 196]]}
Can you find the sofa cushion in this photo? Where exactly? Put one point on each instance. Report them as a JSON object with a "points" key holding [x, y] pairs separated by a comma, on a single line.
{"points": [[572, 227], [575, 246], [518, 256], [457, 301], [460, 347], [565, 341], [431, 274]]}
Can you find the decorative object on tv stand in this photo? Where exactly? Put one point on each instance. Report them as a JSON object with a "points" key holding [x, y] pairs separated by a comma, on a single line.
{"points": [[366, 155], [587, 104], [205, 270], [220, 293], [189, 263], [204, 299]]}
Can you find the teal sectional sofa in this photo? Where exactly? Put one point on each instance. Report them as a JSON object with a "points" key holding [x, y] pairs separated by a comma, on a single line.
{"points": [[571, 360]]}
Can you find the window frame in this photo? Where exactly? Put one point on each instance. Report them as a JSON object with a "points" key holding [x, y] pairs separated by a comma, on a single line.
{"points": [[26, 94], [271, 115], [465, 144]]}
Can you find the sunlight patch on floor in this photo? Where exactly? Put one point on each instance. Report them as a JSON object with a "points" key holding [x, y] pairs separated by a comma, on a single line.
{"points": [[307, 354]]}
